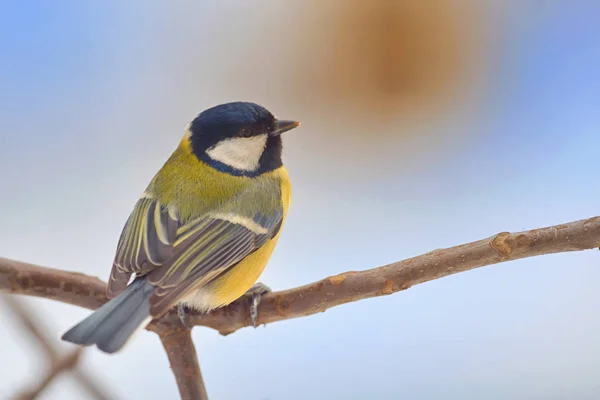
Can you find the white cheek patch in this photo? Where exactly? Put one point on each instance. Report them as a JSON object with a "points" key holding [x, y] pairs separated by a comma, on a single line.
{"points": [[240, 153]]}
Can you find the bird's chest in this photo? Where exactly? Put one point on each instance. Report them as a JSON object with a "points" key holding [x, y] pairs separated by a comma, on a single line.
{"points": [[234, 283]]}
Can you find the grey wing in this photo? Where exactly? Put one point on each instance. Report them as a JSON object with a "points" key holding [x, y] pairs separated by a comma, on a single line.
{"points": [[178, 256], [207, 248], [145, 243]]}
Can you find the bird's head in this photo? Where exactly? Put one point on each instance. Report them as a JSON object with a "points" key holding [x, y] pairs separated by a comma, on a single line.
{"points": [[239, 138]]}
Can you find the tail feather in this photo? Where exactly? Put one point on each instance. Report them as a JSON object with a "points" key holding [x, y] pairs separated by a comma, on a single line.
{"points": [[113, 324]]}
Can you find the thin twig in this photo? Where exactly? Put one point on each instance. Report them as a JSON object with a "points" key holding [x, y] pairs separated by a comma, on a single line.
{"points": [[184, 362], [26, 319], [91, 385], [57, 363], [65, 364]]}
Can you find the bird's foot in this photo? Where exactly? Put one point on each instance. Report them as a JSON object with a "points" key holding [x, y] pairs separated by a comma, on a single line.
{"points": [[182, 314], [256, 292]]}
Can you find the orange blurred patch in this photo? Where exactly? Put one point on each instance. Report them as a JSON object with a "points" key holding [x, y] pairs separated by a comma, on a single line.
{"points": [[386, 56]]}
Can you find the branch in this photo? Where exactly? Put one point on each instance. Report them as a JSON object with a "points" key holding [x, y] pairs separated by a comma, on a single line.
{"points": [[82, 290], [184, 362], [353, 286], [85, 291], [64, 286], [66, 363], [57, 363]]}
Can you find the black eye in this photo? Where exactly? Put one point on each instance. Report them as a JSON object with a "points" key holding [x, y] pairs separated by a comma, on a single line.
{"points": [[246, 132]]}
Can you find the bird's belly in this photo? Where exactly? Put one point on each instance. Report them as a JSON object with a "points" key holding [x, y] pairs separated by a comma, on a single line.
{"points": [[234, 283]]}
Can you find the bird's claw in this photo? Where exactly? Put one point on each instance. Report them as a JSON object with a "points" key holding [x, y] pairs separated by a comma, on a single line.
{"points": [[182, 314], [256, 292]]}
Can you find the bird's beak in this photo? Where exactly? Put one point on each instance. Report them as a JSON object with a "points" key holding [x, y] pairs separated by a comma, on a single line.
{"points": [[281, 126]]}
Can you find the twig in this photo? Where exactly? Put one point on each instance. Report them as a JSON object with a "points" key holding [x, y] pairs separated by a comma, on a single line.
{"points": [[26, 319], [184, 362], [353, 286], [85, 291], [65, 364], [90, 385], [88, 292], [57, 363]]}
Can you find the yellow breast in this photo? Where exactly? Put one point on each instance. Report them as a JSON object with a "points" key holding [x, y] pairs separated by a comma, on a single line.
{"points": [[235, 282]]}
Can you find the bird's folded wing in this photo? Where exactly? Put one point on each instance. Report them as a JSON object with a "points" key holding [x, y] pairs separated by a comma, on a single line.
{"points": [[146, 242], [178, 257]]}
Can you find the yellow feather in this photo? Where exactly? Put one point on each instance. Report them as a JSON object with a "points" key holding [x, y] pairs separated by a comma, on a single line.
{"points": [[234, 283], [193, 188]]}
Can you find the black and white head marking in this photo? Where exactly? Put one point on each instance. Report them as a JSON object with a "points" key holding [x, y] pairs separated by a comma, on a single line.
{"points": [[238, 138]]}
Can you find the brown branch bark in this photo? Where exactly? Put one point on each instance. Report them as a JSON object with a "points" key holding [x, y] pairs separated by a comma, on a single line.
{"points": [[85, 291], [64, 286], [78, 289], [184, 362]]}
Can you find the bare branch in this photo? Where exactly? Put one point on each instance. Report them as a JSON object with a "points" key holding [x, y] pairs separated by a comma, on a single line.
{"points": [[67, 287], [57, 363], [64, 364], [184, 362], [74, 288], [353, 286], [26, 319], [78, 289], [90, 385]]}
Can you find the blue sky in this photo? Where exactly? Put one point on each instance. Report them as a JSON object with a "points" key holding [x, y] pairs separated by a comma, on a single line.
{"points": [[95, 96]]}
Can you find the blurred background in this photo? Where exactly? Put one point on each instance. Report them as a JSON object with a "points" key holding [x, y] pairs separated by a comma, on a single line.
{"points": [[425, 124]]}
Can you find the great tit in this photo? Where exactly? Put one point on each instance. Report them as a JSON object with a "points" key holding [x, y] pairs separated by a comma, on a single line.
{"points": [[204, 229]]}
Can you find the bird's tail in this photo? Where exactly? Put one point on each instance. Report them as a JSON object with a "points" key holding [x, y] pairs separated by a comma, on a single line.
{"points": [[113, 324]]}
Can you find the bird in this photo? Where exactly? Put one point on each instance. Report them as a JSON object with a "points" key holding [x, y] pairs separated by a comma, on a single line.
{"points": [[204, 229]]}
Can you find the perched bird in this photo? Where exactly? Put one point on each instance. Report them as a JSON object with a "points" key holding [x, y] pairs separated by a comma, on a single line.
{"points": [[204, 229]]}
